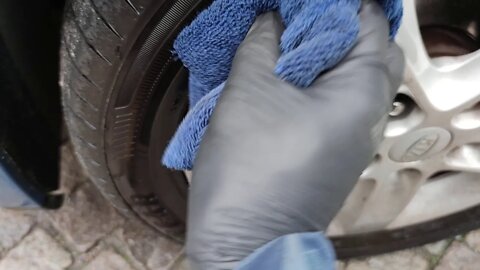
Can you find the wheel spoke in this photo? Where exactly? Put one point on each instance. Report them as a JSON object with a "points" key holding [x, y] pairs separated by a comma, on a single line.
{"points": [[352, 209], [374, 204], [410, 40], [389, 199], [444, 196], [453, 85], [445, 88], [440, 84], [468, 109], [463, 67], [464, 158], [417, 88], [465, 122]]}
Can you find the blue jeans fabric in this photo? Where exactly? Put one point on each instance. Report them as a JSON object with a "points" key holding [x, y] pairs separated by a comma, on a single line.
{"points": [[302, 251]]}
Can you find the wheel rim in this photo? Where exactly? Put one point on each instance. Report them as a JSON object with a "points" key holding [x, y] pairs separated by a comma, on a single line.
{"points": [[429, 163]]}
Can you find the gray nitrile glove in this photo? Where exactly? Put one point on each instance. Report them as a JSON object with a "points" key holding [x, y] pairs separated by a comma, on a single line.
{"points": [[277, 159]]}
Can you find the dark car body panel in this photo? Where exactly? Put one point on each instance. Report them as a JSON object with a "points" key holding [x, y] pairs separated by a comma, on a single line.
{"points": [[30, 113]]}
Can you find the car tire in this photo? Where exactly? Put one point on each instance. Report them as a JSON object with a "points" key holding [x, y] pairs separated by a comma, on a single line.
{"points": [[104, 113]]}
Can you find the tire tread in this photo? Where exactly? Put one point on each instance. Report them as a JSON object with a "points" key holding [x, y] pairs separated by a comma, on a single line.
{"points": [[93, 31]]}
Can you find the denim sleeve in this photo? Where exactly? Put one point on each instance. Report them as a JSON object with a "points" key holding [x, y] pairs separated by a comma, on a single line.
{"points": [[302, 251]]}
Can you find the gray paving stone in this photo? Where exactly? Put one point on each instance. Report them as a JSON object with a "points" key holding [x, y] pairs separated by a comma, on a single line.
{"points": [[80, 259], [85, 218], [108, 260], [114, 241], [13, 226], [147, 246], [473, 240], [459, 257], [181, 265], [37, 251], [402, 260], [437, 248]]}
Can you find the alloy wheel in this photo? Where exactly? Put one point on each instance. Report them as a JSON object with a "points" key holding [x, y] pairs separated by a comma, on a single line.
{"points": [[428, 166]]}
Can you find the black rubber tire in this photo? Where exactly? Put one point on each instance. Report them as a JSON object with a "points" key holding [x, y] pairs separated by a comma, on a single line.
{"points": [[92, 33], [99, 37]]}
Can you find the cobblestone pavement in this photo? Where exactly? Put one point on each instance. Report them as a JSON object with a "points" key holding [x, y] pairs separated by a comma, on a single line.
{"points": [[86, 233]]}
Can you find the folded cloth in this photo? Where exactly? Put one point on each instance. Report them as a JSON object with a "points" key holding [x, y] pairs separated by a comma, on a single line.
{"points": [[318, 34]]}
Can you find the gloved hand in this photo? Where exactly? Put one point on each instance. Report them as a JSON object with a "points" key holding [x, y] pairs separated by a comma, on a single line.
{"points": [[319, 33], [276, 159]]}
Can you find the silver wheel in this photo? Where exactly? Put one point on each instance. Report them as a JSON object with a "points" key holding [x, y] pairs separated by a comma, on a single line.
{"points": [[428, 166]]}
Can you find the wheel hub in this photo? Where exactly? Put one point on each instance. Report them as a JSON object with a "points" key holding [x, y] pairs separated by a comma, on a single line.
{"points": [[420, 145]]}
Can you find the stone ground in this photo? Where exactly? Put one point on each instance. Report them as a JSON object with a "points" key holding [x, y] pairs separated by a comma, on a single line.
{"points": [[86, 233]]}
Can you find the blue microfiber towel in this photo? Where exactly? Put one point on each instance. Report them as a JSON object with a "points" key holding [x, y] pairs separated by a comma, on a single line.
{"points": [[318, 34]]}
